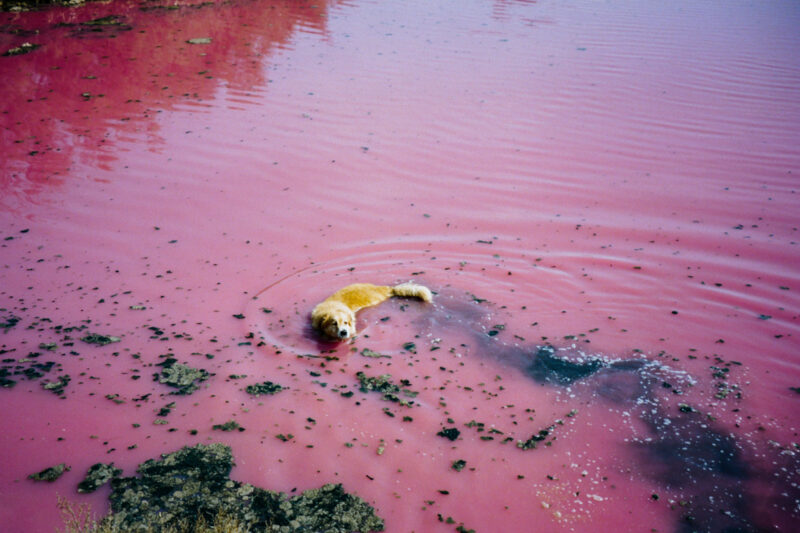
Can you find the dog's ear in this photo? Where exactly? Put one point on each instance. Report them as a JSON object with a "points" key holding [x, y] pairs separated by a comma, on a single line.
{"points": [[316, 321], [327, 322]]}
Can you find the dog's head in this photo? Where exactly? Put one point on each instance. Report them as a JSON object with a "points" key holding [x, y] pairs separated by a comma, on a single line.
{"points": [[335, 320]]}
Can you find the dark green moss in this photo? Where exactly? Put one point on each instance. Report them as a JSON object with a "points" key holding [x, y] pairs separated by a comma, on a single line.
{"points": [[386, 387], [182, 377], [194, 483], [98, 475], [230, 425], [536, 438], [50, 474], [267, 387], [57, 387], [100, 340]]}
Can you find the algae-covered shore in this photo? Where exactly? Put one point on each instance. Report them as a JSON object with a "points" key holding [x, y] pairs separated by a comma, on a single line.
{"points": [[191, 490]]}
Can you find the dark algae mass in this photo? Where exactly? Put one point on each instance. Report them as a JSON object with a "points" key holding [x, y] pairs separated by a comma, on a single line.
{"points": [[179, 376], [98, 475], [50, 474], [267, 387], [194, 483]]}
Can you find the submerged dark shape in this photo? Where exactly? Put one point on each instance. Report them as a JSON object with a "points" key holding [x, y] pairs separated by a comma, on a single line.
{"points": [[687, 453], [688, 448], [194, 483], [547, 367]]}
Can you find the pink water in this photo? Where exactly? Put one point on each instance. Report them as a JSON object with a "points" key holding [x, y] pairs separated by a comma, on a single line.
{"points": [[616, 179]]}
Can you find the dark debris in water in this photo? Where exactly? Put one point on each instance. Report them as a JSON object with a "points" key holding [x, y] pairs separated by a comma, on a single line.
{"points": [[57, 387], [366, 352], [29, 368], [230, 425], [50, 474], [267, 387], [194, 483], [98, 475], [24, 48], [449, 433], [100, 340], [387, 387], [179, 376], [108, 26], [9, 322]]}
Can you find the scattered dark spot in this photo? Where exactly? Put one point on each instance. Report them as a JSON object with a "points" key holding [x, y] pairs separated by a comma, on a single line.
{"points": [[459, 465], [166, 410], [536, 438], [449, 433], [9, 322]]}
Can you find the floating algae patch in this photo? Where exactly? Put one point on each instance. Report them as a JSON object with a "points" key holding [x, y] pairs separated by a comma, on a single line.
{"points": [[384, 385], [230, 425], [266, 387], [366, 352], [193, 484], [182, 377], [57, 387], [98, 475], [50, 474], [100, 340], [29, 368], [9, 322]]}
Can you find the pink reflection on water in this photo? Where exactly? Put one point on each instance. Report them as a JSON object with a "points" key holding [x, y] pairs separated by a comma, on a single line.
{"points": [[617, 182]]}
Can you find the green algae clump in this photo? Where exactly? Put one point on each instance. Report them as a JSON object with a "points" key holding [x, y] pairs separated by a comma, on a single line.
{"points": [[193, 484], [266, 387], [179, 376], [98, 475], [50, 474]]}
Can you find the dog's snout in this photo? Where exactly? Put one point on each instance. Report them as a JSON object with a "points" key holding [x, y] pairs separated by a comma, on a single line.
{"points": [[342, 333]]}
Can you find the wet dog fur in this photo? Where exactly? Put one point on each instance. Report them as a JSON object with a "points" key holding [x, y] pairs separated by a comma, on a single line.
{"points": [[335, 317]]}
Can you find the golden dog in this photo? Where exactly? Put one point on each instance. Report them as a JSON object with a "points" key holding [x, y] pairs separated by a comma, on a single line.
{"points": [[336, 316]]}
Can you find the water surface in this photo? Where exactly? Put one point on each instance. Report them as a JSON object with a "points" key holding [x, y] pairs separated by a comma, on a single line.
{"points": [[616, 181]]}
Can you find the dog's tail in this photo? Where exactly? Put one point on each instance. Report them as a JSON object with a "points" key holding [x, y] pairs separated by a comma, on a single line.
{"points": [[412, 290]]}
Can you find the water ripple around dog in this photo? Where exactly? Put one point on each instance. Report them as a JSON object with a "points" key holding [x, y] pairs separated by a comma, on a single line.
{"points": [[279, 312]]}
